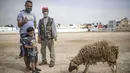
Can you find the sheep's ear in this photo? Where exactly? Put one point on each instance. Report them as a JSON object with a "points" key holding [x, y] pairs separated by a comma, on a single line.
{"points": [[74, 64]]}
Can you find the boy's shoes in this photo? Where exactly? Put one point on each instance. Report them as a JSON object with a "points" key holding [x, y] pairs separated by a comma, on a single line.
{"points": [[43, 63], [37, 69]]}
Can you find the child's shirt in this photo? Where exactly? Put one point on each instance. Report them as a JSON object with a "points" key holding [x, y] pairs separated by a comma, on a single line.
{"points": [[30, 41]]}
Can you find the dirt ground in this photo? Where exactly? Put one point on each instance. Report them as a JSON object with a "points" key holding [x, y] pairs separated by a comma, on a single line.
{"points": [[67, 46]]}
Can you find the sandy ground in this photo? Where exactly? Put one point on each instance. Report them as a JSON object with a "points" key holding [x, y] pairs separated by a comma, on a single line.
{"points": [[67, 46]]}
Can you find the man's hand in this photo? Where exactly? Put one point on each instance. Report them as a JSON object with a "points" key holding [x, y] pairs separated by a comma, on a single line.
{"points": [[26, 46], [25, 20], [22, 22]]}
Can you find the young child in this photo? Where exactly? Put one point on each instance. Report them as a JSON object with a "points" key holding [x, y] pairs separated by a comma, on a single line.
{"points": [[30, 46]]}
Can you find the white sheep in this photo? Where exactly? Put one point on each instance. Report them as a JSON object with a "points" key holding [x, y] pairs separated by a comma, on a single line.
{"points": [[101, 51]]}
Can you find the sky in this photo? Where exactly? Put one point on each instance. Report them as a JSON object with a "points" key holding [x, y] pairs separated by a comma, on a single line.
{"points": [[68, 11]]}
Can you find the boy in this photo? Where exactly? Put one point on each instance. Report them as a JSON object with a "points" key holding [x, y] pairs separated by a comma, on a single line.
{"points": [[31, 48]]}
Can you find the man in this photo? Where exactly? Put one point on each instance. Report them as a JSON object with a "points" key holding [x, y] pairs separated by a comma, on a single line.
{"points": [[25, 19], [46, 33]]}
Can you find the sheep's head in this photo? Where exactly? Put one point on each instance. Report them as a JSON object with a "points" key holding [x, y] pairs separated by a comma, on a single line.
{"points": [[72, 66]]}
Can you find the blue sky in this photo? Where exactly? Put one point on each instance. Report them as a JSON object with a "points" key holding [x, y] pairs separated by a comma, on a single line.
{"points": [[68, 11]]}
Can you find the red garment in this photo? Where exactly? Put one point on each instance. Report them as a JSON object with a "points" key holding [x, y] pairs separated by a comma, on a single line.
{"points": [[45, 9]]}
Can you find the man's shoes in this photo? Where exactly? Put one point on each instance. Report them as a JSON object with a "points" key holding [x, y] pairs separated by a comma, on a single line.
{"points": [[51, 64], [37, 69], [18, 57], [43, 63]]}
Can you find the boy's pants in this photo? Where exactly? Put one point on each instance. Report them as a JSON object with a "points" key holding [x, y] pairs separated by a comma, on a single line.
{"points": [[50, 44], [33, 58]]}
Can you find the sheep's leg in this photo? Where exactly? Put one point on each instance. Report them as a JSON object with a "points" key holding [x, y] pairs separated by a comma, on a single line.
{"points": [[113, 67], [77, 71], [86, 68]]}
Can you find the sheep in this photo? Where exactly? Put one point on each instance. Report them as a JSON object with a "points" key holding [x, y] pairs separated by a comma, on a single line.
{"points": [[101, 51]]}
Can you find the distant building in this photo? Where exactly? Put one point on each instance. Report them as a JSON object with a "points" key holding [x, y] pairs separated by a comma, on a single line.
{"points": [[112, 25], [85, 25], [8, 29], [61, 26], [72, 26], [123, 25]]}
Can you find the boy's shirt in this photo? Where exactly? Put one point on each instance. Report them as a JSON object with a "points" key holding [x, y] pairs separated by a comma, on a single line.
{"points": [[28, 41]]}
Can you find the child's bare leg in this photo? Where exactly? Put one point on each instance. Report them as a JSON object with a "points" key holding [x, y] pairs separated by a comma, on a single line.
{"points": [[26, 60], [33, 66], [36, 60]]}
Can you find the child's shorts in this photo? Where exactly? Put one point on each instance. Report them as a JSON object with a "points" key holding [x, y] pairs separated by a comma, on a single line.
{"points": [[33, 58]]}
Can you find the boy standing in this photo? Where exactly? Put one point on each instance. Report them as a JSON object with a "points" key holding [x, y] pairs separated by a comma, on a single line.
{"points": [[31, 48]]}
